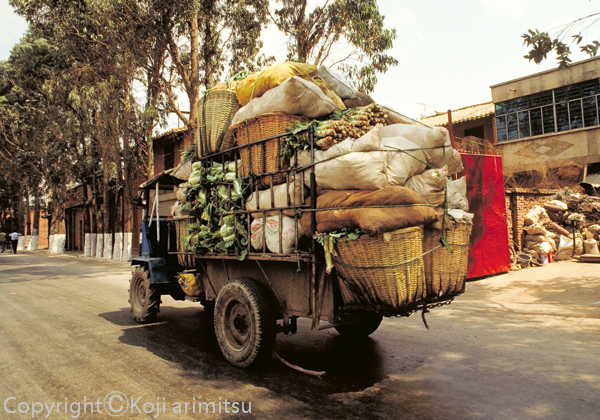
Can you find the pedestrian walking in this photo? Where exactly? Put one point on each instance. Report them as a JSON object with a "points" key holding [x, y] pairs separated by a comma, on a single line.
{"points": [[14, 238], [2, 241]]}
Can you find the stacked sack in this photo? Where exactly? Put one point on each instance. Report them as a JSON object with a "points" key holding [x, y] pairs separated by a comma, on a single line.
{"points": [[548, 230]]}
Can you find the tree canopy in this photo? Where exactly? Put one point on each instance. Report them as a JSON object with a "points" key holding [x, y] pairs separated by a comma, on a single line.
{"points": [[347, 33], [543, 43]]}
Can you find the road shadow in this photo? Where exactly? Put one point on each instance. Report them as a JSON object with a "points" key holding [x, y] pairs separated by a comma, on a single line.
{"points": [[185, 336]]}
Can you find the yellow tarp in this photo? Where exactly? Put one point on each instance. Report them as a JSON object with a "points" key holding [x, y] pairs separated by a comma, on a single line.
{"points": [[255, 85]]}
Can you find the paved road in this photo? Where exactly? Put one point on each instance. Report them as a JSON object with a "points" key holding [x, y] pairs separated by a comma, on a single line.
{"points": [[524, 345]]}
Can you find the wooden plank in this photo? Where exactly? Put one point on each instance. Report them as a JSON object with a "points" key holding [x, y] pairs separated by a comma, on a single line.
{"points": [[591, 258]]}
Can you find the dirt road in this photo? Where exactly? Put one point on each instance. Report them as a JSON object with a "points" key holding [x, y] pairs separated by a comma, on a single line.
{"points": [[523, 345]]}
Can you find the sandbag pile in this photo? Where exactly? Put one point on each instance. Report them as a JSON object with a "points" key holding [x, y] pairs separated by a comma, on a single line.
{"points": [[548, 230]]}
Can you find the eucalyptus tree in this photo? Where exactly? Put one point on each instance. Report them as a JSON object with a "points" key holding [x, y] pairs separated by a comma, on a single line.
{"points": [[205, 40], [349, 34], [32, 145], [543, 43]]}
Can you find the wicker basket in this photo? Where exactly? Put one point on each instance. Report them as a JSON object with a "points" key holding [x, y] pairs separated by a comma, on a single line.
{"points": [[181, 225], [264, 159], [215, 114], [445, 271], [383, 270]]}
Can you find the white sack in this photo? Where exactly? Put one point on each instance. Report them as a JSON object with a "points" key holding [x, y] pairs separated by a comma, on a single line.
{"points": [[257, 236], [431, 185], [294, 96], [283, 195], [590, 246], [457, 194], [534, 216], [433, 140], [349, 165], [536, 229], [541, 248], [403, 165], [183, 171], [336, 82], [559, 204], [271, 229]]}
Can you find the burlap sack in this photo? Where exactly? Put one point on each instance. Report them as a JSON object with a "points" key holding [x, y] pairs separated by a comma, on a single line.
{"points": [[372, 220], [295, 96]]}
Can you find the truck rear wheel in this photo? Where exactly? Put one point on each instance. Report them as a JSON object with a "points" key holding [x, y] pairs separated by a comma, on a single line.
{"points": [[143, 298], [367, 326], [244, 327]]}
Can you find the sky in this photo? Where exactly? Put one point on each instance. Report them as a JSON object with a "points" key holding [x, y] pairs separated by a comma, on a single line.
{"points": [[449, 52]]}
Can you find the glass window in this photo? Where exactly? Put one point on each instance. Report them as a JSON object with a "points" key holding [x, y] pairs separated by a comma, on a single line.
{"points": [[501, 135], [512, 106], [501, 122], [575, 114], [560, 94], [574, 91], [562, 117], [548, 119], [547, 98], [524, 124], [536, 121], [590, 114], [500, 108], [522, 103], [535, 100], [590, 88], [513, 126]]}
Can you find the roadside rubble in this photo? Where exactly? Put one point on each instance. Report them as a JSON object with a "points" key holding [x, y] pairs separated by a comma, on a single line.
{"points": [[566, 226]]}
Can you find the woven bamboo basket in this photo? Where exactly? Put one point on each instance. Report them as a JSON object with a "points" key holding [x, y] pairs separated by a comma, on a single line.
{"points": [[268, 158], [383, 270], [215, 114], [181, 231], [445, 271]]}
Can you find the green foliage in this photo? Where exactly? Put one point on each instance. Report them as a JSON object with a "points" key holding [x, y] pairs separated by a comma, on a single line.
{"points": [[314, 35], [542, 43], [214, 201]]}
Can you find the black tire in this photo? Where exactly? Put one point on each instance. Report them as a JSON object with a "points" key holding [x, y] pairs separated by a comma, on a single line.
{"points": [[369, 324], [143, 298], [209, 307], [244, 326]]}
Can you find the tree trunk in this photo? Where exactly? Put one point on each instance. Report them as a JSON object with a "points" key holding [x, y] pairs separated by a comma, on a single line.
{"points": [[27, 213], [194, 92]]}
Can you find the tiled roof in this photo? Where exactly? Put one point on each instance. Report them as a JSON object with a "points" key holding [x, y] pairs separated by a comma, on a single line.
{"points": [[468, 113], [173, 131]]}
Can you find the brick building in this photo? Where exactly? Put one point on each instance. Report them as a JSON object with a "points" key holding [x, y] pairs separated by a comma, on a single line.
{"points": [[168, 148], [472, 121]]}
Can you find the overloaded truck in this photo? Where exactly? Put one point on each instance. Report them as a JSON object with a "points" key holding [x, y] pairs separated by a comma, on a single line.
{"points": [[281, 217]]}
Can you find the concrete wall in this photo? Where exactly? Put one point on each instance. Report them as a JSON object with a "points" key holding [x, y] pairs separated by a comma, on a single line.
{"points": [[551, 79], [537, 153]]}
